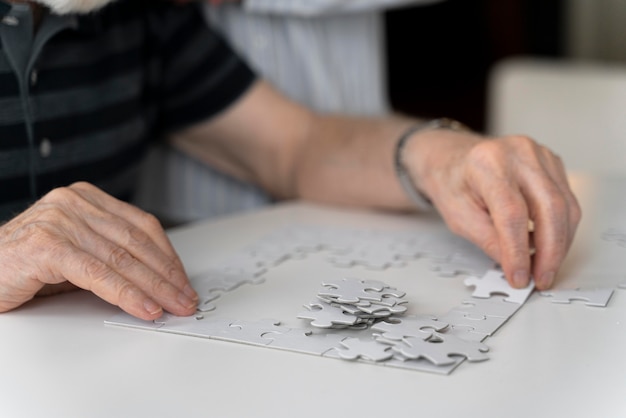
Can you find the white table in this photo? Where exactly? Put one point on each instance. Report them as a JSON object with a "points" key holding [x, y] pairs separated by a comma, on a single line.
{"points": [[57, 359]]}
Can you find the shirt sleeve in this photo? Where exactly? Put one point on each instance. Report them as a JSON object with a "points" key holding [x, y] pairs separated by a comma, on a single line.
{"points": [[197, 74], [312, 8]]}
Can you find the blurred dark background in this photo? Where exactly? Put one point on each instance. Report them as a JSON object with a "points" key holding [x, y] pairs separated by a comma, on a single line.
{"points": [[439, 56]]}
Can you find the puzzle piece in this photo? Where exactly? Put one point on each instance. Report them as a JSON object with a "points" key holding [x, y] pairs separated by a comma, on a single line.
{"points": [[323, 315], [355, 348], [423, 365], [302, 341], [251, 332], [494, 283], [126, 320], [420, 326], [189, 325], [375, 255], [493, 306], [269, 254], [243, 269], [615, 235], [477, 265], [465, 333], [592, 297], [350, 290], [487, 325], [439, 349]]}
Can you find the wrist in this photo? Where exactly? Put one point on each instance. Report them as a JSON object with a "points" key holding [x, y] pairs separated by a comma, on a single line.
{"points": [[406, 176]]}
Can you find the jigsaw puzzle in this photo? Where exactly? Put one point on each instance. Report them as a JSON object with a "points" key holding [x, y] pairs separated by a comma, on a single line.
{"points": [[355, 319]]}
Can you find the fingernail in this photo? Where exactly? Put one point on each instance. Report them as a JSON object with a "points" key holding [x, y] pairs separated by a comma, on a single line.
{"points": [[151, 307], [520, 278], [190, 292], [546, 280], [186, 302]]}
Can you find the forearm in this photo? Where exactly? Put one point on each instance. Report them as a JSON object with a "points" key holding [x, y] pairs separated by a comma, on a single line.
{"points": [[324, 7], [349, 161]]}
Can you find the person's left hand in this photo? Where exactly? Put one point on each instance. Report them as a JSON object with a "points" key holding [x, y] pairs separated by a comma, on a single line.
{"points": [[490, 190]]}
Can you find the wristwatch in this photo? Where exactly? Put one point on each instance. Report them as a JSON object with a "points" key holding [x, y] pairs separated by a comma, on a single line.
{"points": [[419, 199]]}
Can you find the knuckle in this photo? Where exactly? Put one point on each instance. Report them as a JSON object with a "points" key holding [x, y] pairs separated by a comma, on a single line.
{"points": [[524, 142], [126, 292], [151, 222], [121, 258], [136, 237], [81, 185], [95, 270], [486, 153], [60, 194], [575, 213], [161, 287], [556, 206]]}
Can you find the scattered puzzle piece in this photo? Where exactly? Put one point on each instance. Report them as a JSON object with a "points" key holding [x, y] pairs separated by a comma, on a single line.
{"points": [[368, 350], [376, 254], [440, 347], [476, 264], [323, 315], [494, 283], [303, 341], [487, 325], [493, 306], [592, 297], [419, 326], [350, 290]]}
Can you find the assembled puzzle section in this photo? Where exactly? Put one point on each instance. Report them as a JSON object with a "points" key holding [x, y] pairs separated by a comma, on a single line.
{"points": [[354, 318]]}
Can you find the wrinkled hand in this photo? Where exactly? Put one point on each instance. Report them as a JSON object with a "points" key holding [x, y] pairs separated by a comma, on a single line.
{"points": [[487, 190], [81, 235]]}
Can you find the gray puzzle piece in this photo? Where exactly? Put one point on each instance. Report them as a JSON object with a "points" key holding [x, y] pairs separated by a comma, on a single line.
{"points": [[354, 348], [204, 328], [251, 332], [493, 306], [126, 320], [323, 315], [464, 333], [423, 365], [484, 325], [439, 352], [591, 297], [494, 283], [375, 254], [350, 290], [303, 341], [420, 326], [476, 265]]}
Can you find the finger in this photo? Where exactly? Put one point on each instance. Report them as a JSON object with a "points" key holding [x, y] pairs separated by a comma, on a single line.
{"points": [[150, 245], [554, 165], [510, 216], [552, 237], [142, 220], [90, 273], [127, 266], [468, 218]]}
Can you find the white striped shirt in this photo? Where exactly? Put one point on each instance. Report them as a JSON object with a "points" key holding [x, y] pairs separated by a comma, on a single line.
{"points": [[326, 54]]}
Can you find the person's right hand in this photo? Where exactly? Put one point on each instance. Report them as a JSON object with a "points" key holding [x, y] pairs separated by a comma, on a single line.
{"points": [[81, 235]]}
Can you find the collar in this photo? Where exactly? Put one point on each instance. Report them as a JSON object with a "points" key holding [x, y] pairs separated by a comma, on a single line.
{"points": [[87, 24]]}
